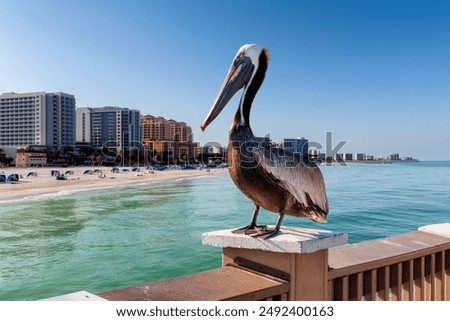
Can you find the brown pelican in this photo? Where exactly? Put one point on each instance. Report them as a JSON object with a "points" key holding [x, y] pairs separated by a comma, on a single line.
{"points": [[272, 178]]}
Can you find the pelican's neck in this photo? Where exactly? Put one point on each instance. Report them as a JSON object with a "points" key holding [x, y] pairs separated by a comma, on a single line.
{"points": [[242, 116]]}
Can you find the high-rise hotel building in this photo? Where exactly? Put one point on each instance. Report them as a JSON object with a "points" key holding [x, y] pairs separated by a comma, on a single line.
{"points": [[37, 118], [113, 127]]}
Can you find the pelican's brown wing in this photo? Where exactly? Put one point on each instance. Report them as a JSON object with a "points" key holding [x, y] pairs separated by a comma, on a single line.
{"points": [[300, 177]]}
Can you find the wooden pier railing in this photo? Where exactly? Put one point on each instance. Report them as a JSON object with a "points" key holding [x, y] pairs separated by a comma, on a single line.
{"points": [[303, 264], [409, 267], [223, 284]]}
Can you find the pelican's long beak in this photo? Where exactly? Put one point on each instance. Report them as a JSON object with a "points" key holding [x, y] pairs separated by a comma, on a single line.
{"points": [[240, 72]]}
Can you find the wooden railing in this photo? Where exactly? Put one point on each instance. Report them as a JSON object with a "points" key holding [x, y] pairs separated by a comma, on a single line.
{"points": [[411, 266], [223, 284]]}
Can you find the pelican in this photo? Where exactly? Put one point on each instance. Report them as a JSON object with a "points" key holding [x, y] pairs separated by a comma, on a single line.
{"points": [[272, 178]]}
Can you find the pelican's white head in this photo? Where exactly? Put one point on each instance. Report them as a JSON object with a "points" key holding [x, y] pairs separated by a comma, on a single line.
{"points": [[242, 71]]}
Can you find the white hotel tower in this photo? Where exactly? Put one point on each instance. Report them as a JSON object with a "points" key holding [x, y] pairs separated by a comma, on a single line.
{"points": [[37, 118]]}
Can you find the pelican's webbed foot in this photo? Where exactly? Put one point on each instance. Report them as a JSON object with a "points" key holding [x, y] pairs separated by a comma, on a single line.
{"points": [[250, 229], [266, 233]]}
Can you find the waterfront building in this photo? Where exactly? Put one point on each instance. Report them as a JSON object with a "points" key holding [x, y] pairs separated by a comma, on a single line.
{"points": [[32, 156], [37, 118], [359, 157], [210, 149], [181, 131], [339, 157], [295, 145], [394, 157], [317, 155], [348, 156], [167, 138], [265, 141], [112, 127], [159, 129], [212, 153], [155, 129]]}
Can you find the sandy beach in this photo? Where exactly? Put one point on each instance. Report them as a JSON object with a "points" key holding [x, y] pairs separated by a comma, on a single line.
{"points": [[32, 187]]}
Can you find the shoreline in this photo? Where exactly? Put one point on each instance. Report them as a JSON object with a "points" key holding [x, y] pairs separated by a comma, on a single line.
{"points": [[372, 162], [45, 186]]}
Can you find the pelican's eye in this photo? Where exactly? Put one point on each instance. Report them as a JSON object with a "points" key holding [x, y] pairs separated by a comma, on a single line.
{"points": [[239, 57]]}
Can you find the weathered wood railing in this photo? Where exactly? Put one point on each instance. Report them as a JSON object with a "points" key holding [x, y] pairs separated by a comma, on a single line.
{"points": [[303, 264], [412, 266], [226, 283]]}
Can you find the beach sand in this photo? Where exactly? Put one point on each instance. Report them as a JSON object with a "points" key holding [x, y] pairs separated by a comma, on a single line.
{"points": [[29, 188]]}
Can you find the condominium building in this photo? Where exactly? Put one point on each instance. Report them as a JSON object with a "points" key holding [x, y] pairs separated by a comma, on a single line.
{"points": [[181, 131], [158, 128], [37, 118], [155, 129], [295, 145], [359, 157], [113, 127], [163, 136], [347, 156], [394, 157]]}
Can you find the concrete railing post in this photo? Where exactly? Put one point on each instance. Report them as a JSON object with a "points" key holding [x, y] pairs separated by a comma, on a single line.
{"points": [[296, 254]]}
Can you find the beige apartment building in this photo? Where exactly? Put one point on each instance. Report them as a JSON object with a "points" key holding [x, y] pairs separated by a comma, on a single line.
{"points": [[31, 159], [168, 137]]}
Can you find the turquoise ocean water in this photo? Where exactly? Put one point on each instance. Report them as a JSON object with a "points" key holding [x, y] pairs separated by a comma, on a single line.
{"points": [[122, 237]]}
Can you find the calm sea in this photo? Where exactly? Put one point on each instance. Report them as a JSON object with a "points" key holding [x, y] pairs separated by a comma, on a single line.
{"points": [[117, 238]]}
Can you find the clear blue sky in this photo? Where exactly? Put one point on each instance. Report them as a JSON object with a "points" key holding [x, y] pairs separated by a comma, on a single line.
{"points": [[375, 73]]}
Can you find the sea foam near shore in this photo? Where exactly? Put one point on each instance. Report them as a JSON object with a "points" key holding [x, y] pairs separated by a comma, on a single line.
{"points": [[44, 186]]}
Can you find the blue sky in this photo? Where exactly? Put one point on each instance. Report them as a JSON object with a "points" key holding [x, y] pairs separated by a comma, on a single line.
{"points": [[375, 73]]}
